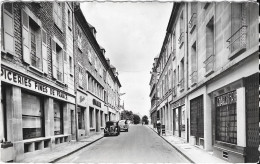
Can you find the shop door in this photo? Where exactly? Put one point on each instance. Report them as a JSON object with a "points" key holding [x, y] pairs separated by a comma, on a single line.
{"points": [[97, 120], [180, 121], [252, 118], [197, 118], [173, 120]]}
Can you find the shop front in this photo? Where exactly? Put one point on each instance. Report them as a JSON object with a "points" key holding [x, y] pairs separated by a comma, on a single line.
{"points": [[36, 116], [229, 132], [178, 112], [82, 115]]}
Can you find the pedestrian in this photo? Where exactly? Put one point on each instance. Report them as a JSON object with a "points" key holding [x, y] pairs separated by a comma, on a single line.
{"points": [[158, 125]]}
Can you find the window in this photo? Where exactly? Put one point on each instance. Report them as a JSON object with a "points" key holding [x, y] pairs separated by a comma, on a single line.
{"points": [[80, 76], [70, 64], [89, 56], [181, 38], [193, 16], [237, 40], [58, 117], [8, 28], [57, 60], [34, 41], [79, 40], [81, 122], [193, 75], [226, 117], [69, 19], [182, 74], [57, 14], [209, 62], [91, 115], [32, 116]]}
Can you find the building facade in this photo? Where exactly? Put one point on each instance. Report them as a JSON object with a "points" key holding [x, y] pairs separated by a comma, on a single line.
{"points": [[216, 55], [54, 79]]}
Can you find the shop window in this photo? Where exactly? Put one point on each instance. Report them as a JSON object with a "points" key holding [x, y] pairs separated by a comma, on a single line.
{"points": [[226, 118], [8, 28], [81, 122], [32, 116], [101, 119], [58, 118], [57, 14]]}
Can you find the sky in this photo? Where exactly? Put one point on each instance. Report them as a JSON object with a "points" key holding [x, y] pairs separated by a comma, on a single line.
{"points": [[132, 34]]}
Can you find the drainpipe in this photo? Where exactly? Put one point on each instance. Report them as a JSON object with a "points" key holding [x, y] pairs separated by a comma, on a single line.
{"points": [[75, 84], [187, 66]]}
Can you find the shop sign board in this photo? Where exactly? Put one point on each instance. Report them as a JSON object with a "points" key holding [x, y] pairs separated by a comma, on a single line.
{"points": [[27, 82], [81, 98], [96, 103], [178, 103], [226, 99]]}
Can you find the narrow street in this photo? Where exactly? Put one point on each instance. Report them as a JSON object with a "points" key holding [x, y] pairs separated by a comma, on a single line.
{"points": [[140, 144]]}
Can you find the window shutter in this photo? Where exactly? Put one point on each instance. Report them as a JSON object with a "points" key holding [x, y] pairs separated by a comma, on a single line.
{"points": [[8, 28], [25, 35], [80, 76], [44, 52], [66, 69], [54, 59]]}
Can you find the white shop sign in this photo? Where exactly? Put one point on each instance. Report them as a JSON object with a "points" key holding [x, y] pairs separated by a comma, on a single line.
{"points": [[23, 81]]}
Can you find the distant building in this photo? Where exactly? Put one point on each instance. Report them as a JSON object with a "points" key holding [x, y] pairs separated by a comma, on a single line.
{"points": [[208, 78]]}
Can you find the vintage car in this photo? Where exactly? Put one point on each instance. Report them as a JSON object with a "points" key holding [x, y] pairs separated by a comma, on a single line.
{"points": [[123, 124], [111, 128]]}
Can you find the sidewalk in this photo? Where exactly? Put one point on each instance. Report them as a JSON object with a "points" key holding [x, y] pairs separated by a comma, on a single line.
{"points": [[62, 150], [192, 153]]}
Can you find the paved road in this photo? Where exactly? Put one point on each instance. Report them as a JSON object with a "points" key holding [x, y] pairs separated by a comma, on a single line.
{"points": [[138, 145]]}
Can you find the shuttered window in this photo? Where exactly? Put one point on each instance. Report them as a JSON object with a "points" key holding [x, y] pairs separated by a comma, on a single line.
{"points": [[79, 41], [8, 28], [57, 61], [34, 41]]}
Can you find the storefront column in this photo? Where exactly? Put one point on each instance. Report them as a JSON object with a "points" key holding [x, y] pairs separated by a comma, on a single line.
{"points": [[241, 117], [49, 116], [87, 126], [14, 120], [207, 123]]}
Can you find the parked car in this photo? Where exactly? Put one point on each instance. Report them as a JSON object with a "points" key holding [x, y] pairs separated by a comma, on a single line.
{"points": [[123, 124], [111, 128]]}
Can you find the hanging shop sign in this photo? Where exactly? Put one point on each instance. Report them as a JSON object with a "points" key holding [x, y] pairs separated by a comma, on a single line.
{"points": [[226, 99], [23, 81], [97, 103], [178, 103], [81, 98]]}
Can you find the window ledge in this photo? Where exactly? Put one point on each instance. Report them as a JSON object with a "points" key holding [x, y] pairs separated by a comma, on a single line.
{"points": [[193, 84], [36, 69], [58, 27], [9, 53], [209, 72], [80, 49], [181, 45], [60, 82], [236, 53], [192, 29]]}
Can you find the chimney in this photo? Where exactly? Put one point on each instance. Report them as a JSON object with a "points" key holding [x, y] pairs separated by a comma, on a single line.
{"points": [[103, 50], [108, 61]]}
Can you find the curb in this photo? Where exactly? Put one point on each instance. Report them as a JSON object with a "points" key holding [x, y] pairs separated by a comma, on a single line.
{"points": [[174, 147], [74, 151]]}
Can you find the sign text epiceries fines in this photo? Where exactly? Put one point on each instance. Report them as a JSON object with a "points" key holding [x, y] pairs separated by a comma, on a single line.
{"points": [[12, 77]]}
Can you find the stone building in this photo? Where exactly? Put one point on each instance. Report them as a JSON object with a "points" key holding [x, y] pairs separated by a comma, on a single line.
{"points": [[96, 79], [54, 79], [216, 44], [37, 93]]}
